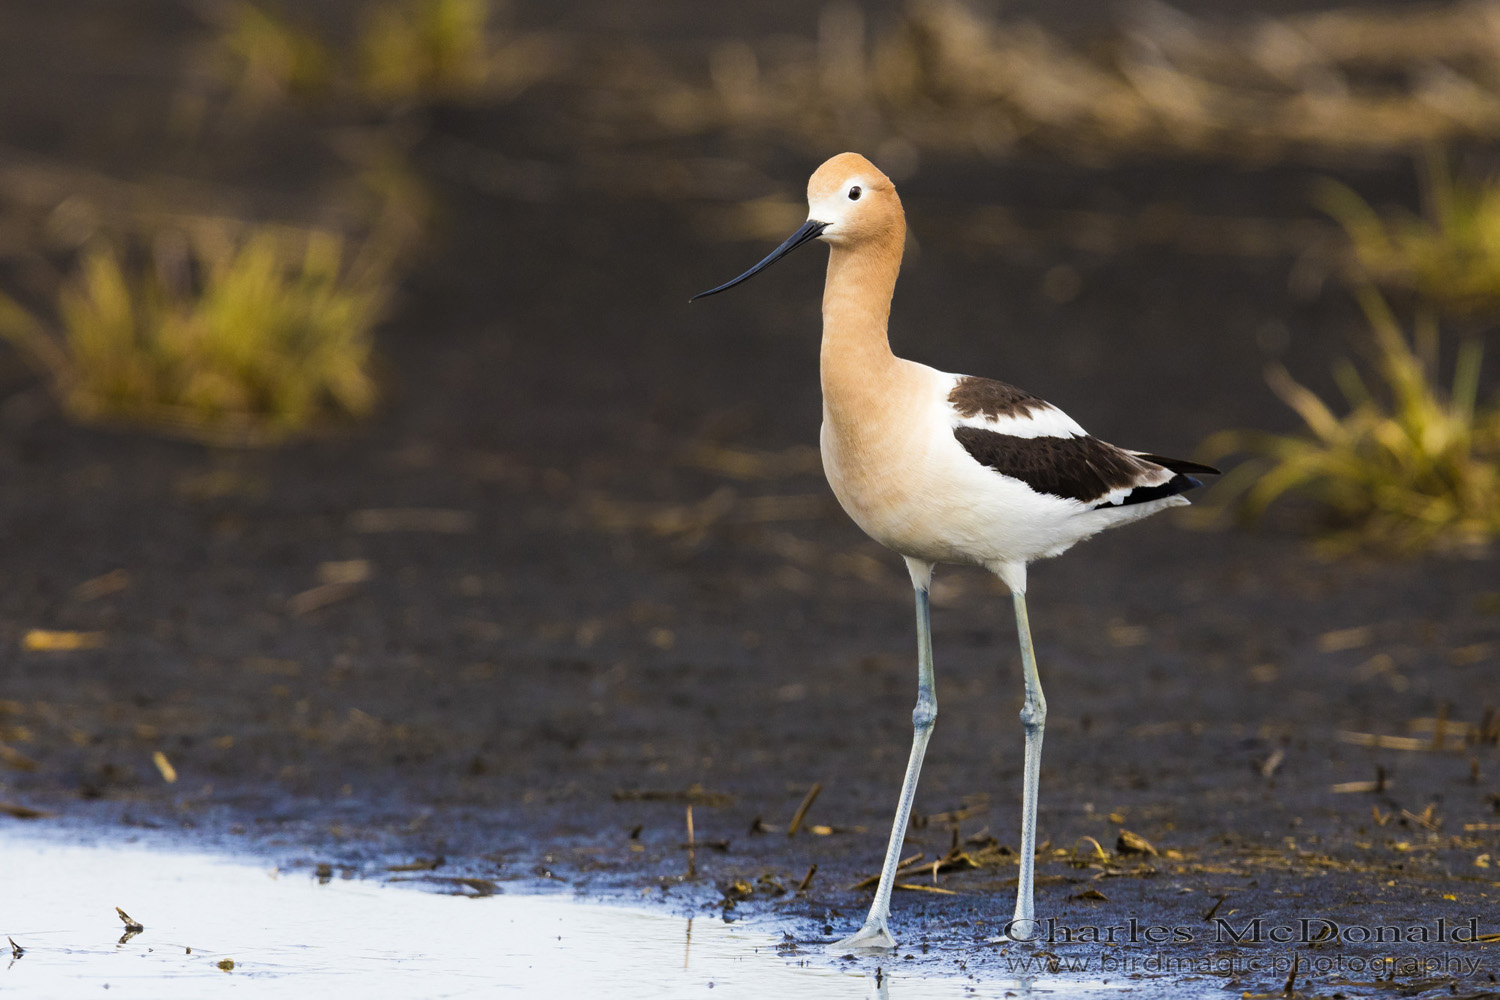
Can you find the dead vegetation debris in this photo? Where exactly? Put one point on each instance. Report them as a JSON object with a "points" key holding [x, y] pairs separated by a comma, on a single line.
{"points": [[694, 794]]}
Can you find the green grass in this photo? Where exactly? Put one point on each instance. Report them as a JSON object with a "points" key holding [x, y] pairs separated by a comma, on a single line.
{"points": [[244, 341], [1449, 256], [265, 58], [425, 49], [404, 51], [1409, 465]]}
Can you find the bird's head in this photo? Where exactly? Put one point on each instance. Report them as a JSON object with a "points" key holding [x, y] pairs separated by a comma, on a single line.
{"points": [[853, 200], [849, 203]]}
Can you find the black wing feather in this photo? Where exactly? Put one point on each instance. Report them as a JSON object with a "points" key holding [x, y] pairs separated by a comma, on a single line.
{"points": [[1180, 465], [1075, 468]]}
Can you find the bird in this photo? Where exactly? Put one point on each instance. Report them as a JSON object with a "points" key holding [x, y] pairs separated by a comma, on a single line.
{"points": [[949, 469]]}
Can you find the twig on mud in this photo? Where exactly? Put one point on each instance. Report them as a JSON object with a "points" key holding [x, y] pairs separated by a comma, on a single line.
{"points": [[1271, 764], [164, 766], [1380, 741], [801, 813], [925, 888], [480, 886], [694, 794], [132, 926], [1377, 786], [692, 870], [901, 869], [973, 806], [102, 586], [324, 594], [1427, 818], [986, 854], [807, 879]]}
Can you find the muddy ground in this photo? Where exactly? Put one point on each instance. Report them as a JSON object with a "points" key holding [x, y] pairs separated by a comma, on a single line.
{"points": [[649, 599]]}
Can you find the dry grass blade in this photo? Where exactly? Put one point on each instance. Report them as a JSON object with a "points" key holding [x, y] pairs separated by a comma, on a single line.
{"points": [[102, 586], [164, 767], [1345, 638], [976, 853], [1098, 854], [54, 641], [1133, 843], [902, 868], [801, 813], [1380, 741], [434, 520], [321, 596], [131, 924], [694, 794], [1271, 764], [15, 759]]}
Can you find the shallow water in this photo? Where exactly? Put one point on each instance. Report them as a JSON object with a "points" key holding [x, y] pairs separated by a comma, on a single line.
{"points": [[288, 935]]}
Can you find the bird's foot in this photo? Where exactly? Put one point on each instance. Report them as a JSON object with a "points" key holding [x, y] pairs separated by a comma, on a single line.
{"points": [[873, 935]]}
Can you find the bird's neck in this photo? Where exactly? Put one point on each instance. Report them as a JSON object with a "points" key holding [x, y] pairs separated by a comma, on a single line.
{"points": [[856, 360]]}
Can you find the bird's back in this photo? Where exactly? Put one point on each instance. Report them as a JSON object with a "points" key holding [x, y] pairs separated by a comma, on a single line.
{"points": [[955, 469]]}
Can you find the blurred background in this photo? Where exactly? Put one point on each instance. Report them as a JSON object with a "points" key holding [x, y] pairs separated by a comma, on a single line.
{"points": [[367, 482]]}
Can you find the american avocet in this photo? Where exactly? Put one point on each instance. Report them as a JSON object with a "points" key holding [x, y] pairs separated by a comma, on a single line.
{"points": [[949, 469]]}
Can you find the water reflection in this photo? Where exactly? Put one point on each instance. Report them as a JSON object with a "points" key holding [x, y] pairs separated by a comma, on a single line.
{"points": [[193, 920]]}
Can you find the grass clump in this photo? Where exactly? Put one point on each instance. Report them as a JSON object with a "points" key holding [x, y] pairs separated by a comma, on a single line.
{"points": [[243, 341], [1449, 256], [1409, 466], [402, 52], [424, 49], [268, 59]]}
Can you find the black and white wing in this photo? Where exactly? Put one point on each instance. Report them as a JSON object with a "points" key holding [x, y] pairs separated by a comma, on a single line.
{"points": [[1028, 439]]}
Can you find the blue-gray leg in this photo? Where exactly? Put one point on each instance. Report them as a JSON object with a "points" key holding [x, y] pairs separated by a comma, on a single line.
{"points": [[1034, 721], [876, 932]]}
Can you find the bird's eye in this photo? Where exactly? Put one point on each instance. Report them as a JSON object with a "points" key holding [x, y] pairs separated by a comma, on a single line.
{"points": [[854, 193]]}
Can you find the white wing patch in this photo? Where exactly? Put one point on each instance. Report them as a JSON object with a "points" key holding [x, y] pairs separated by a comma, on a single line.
{"points": [[1153, 475], [1035, 420]]}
